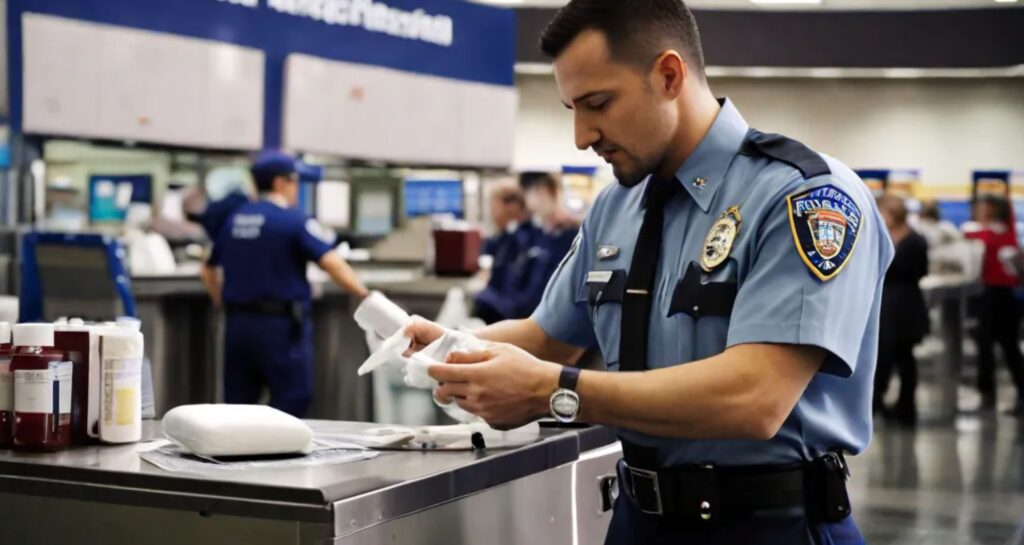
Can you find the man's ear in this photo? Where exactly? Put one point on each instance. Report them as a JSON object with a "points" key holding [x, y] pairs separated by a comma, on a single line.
{"points": [[669, 74]]}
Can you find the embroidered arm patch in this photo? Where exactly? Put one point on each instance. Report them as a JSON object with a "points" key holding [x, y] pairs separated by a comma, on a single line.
{"points": [[825, 222]]}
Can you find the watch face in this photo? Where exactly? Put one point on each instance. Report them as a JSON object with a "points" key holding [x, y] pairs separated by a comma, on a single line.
{"points": [[564, 405]]}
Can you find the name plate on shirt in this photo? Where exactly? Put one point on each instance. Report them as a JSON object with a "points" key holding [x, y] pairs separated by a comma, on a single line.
{"points": [[599, 276]]}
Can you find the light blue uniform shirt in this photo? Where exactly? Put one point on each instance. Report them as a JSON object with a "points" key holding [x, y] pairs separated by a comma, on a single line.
{"points": [[780, 296]]}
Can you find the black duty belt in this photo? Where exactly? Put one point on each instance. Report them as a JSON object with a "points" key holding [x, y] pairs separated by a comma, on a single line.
{"points": [[709, 493], [295, 310]]}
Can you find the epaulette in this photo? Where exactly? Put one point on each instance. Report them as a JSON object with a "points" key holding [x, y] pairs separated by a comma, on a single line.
{"points": [[787, 150]]}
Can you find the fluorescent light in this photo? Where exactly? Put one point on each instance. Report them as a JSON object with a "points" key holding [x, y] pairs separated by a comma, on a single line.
{"points": [[786, 1], [1006, 1]]}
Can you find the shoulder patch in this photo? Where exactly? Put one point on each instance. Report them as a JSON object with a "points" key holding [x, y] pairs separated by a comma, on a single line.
{"points": [[316, 230], [825, 222], [789, 151]]}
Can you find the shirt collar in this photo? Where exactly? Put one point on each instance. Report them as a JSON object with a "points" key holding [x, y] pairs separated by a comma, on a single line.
{"points": [[704, 170], [274, 198]]}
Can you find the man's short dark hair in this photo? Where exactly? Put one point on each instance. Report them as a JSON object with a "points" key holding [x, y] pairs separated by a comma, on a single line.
{"points": [[264, 181], [637, 30], [530, 180]]}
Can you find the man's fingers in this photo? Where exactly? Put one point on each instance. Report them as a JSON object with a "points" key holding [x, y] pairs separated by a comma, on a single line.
{"points": [[476, 356], [443, 372], [452, 390], [439, 396]]}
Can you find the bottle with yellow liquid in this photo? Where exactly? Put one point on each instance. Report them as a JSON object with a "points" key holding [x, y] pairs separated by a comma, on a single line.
{"points": [[121, 353]]}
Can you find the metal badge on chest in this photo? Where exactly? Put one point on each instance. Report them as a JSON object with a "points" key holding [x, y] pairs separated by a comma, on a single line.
{"points": [[718, 243]]}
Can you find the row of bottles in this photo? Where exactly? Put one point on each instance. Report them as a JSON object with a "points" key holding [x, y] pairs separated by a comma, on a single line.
{"points": [[70, 384]]}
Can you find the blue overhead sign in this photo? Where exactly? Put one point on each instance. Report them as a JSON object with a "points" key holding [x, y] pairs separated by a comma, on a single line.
{"points": [[452, 39]]}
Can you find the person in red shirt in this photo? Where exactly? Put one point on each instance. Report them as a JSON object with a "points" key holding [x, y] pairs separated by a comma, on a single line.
{"points": [[998, 313]]}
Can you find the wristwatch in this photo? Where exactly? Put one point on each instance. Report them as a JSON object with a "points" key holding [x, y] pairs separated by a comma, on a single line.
{"points": [[565, 402]]}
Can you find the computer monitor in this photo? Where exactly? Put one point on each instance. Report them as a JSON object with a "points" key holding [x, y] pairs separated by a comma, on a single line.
{"points": [[110, 196], [374, 212], [427, 197]]}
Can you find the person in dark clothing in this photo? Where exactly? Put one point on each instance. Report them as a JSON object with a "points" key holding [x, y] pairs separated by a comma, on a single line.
{"points": [[998, 315], [557, 230], [904, 315], [511, 264]]}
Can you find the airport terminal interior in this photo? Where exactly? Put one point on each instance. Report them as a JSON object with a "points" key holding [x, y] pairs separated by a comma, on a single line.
{"points": [[218, 219]]}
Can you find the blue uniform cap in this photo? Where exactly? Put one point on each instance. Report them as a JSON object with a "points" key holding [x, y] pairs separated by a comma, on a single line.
{"points": [[275, 163]]}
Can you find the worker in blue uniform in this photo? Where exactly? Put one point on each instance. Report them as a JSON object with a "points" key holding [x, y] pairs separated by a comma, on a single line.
{"points": [[263, 249], [732, 281], [554, 232], [216, 213], [511, 259]]}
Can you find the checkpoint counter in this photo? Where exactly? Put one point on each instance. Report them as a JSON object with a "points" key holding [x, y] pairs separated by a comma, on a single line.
{"points": [[544, 492], [184, 335]]}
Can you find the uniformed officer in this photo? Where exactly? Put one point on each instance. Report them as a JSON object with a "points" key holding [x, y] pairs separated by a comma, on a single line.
{"points": [[554, 233], [732, 281], [263, 249], [509, 249]]}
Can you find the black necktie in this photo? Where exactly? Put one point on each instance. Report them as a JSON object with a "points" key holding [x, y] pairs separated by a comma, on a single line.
{"points": [[636, 305]]}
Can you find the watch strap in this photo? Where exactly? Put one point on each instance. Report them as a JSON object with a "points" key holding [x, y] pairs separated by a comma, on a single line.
{"points": [[569, 377]]}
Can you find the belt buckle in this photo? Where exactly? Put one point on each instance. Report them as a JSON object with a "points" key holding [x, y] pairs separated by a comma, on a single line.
{"points": [[652, 476]]}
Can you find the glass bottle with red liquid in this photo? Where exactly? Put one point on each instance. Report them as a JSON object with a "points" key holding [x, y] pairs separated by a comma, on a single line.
{"points": [[42, 389], [6, 386]]}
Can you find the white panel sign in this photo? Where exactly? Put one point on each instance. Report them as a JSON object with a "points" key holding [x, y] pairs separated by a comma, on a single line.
{"points": [[94, 80], [333, 200], [365, 112]]}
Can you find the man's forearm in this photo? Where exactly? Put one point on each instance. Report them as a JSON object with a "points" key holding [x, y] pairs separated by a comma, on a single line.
{"points": [[729, 396], [529, 336], [342, 274]]}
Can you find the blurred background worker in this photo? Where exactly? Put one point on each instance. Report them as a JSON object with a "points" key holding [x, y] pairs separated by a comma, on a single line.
{"points": [[904, 315], [212, 215], [263, 249], [557, 231], [508, 248], [998, 313]]}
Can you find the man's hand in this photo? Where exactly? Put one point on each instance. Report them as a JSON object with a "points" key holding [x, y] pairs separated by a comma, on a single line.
{"points": [[503, 384], [422, 332]]}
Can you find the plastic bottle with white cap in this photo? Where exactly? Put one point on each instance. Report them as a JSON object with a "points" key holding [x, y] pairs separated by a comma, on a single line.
{"points": [[121, 353], [6, 386], [42, 389]]}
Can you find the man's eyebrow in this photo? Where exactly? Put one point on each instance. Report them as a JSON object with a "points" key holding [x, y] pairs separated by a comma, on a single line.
{"points": [[583, 97]]}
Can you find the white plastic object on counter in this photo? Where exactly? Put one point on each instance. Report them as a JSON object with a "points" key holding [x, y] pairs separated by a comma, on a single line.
{"points": [[5, 333], [121, 352], [237, 430]]}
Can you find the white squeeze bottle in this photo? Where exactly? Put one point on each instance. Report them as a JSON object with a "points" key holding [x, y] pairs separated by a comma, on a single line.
{"points": [[121, 352]]}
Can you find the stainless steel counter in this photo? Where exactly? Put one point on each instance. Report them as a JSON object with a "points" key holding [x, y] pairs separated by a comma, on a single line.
{"points": [[60, 497], [184, 336]]}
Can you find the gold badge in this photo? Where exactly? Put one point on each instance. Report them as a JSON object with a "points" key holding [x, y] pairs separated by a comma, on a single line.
{"points": [[718, 243]]}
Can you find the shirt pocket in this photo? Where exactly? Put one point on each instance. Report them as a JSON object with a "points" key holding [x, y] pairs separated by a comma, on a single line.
{"points": [[605, 290], [708, 304]]}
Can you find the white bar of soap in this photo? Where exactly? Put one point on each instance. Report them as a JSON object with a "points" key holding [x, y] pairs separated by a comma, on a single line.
{"points": [[237, 430]]}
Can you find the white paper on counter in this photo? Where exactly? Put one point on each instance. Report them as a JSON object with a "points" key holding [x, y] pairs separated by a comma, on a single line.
{"points": [[171, 457]]}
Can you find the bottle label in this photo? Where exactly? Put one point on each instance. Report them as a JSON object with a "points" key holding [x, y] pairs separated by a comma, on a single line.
{"points": [[44, 390], [122, 380], [6, 384]]}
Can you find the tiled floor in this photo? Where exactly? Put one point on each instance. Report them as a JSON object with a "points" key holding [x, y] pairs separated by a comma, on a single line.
{"points": [[951, 484]]}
